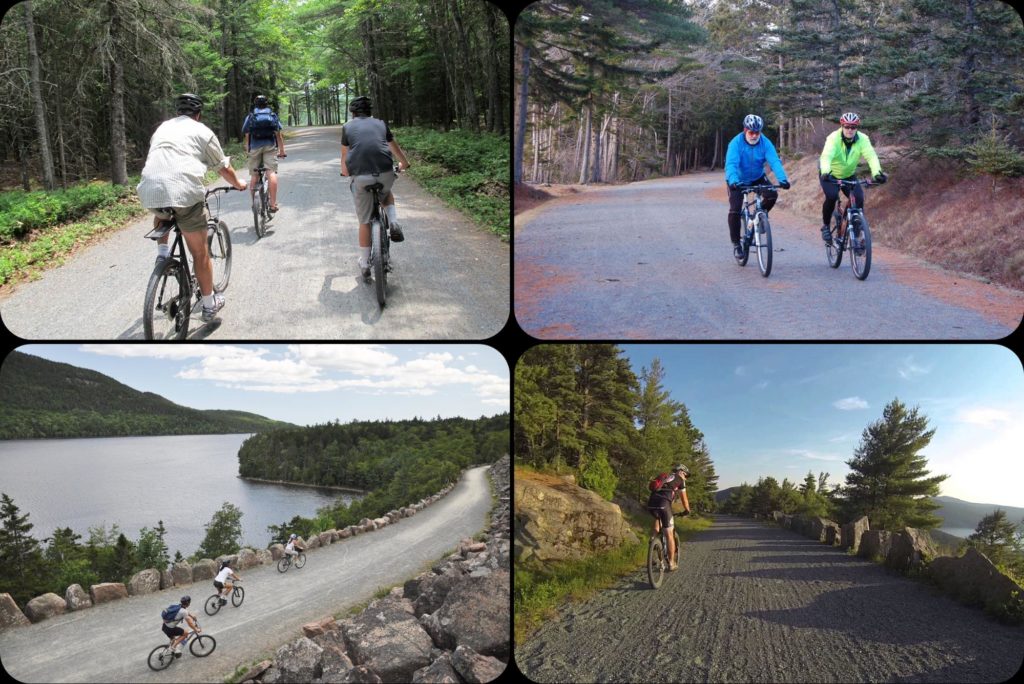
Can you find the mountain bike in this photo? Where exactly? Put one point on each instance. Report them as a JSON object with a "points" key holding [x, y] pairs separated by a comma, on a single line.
{"points": [[212, 605], [261, 202], [657, 552], [201, 645], [169, 295], [380, 243], [755, 229], [287, 562], [851, 216]]}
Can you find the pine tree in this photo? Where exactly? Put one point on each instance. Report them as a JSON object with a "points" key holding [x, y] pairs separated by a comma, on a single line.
{"points": [[20, 556], [223, 532], [998, 538]]}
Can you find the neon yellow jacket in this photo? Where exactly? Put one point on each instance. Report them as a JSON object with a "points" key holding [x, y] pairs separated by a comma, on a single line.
{"points": [[841, 161]]}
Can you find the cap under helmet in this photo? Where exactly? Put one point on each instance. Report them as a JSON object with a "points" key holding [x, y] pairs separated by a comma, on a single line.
{"points": [[849, 119], [752, 122], [188, 103]]}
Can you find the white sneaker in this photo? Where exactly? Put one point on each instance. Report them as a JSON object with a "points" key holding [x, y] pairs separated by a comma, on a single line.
{"points": [[364, 268], [218, 304]]}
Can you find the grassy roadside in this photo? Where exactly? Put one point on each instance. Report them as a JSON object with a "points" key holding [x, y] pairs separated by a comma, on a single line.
{"points": [[538, 593]]}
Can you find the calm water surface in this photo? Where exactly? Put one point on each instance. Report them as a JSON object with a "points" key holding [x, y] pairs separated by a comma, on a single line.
{"points": [[136, 481]]}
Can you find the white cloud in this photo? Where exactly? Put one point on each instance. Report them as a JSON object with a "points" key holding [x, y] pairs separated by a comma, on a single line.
{"points": [[814, 455], [173, 352], [850, 404], [909, 369], [983, 416]]}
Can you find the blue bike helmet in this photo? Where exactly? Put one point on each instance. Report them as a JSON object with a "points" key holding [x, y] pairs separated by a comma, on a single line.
{"points": [[752, 122]]}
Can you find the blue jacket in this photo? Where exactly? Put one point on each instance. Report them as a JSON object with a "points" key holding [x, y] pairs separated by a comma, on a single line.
{"points": [[744, 163]]}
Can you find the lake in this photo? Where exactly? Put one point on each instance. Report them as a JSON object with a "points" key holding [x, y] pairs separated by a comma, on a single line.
{"points": [[136, 481]]}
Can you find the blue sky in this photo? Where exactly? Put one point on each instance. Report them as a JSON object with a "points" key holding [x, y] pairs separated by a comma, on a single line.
{"points": [[782, 410], [307, 383]]}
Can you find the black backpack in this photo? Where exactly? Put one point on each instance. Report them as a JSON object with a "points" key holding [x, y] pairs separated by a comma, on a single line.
{"points": [[263, 123]]}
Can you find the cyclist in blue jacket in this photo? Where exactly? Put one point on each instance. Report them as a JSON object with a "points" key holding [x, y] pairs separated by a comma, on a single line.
{"points": [[744, 165]]}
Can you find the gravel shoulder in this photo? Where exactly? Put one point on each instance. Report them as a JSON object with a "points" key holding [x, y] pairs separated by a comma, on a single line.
{"points": [[757, 603]]}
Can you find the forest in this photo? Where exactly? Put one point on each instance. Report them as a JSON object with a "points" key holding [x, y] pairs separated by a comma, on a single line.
{"points": [[625, 90]]}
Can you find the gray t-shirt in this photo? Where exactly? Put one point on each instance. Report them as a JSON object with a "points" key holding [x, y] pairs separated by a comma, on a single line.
{"points": [[367, 141]]}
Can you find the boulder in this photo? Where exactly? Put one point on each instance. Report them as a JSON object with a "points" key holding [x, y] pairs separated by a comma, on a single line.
{"points": [[10, 614], [853, 531], [107, 591], [46, 606], [76, 598], [557, 521], [333, 643], [166, 580], [230, 558], [317, 628], [345, 533], [335, 669], [247, 559], [469, 546], [298, 661], [181, 573], [264, 557], [361, 675], [476, 668], [205, 569], [910, 549], [973, 579], [475, 613], [432, 591], [439, 671], [365, 523], [326, 538], [381, 522], [833, 534], [256, 671], [144, 582], [875, 543], [816, 528], [276, 551], [388, 640]]}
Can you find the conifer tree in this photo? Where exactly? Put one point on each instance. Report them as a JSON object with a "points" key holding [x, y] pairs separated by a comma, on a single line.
{"points": [[20, 555]]}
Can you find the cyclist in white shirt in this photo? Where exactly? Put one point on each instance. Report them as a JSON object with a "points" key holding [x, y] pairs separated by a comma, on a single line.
{"points": [[223, 582], [292, 545]]}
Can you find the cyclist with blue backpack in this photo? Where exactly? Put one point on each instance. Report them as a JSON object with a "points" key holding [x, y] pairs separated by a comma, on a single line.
{"points": [[663, 491], [263, 136], [172, 617]]}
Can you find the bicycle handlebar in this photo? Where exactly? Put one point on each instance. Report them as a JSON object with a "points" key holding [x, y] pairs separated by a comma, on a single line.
{"points": [[859, 181], [221, 188], [755, 188]]}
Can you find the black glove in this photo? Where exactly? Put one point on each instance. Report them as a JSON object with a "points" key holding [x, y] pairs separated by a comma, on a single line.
{"points": [[734, 186], [827, 177], [785, 185], [881, 177]]}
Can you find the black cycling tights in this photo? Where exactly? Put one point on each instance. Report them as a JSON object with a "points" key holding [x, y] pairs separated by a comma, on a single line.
{"points": [[736, 203], [832, 196]]}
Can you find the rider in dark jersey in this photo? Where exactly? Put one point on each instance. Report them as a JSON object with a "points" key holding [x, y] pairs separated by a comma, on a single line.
{"points": [[660, 506]]}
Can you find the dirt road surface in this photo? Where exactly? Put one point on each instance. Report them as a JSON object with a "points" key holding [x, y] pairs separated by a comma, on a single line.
{"points": [[110, 642], [300, 281], [753, 602], [653, 260]]}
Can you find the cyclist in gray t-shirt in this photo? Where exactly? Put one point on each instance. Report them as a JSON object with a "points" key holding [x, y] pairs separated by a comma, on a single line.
{"points": [[367, 155]]}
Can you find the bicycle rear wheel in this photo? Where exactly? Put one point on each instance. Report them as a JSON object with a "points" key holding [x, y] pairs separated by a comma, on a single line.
{"points": [[833, 253], [377, 260], [202, 646], [655, 562], [212, 605], [237, 596], [300, 560], [282, 565], [160, 658], [219, 244], [763, 240], [742, 261], [259, 221], [168, 302], [861, 262]]}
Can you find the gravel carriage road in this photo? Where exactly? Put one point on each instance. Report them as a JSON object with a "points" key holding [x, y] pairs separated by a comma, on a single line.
{"points": [[450, 278], [757, 603], [110, 643], [652, 260]]}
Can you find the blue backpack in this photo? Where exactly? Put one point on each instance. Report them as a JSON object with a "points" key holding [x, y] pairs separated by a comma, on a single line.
{"points": [[263, 124], [170, 612]]}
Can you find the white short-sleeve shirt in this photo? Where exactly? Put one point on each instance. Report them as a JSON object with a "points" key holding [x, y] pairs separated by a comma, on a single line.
{"points": [[223, 575], [180, 151]]}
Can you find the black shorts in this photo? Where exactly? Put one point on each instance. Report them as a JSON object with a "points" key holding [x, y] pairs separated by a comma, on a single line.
{"points": [[172, 631], [660, 509], [219, 585]]}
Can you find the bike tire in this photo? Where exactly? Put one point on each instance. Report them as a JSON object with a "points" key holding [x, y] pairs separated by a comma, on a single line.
{"points": [[282, 565], [168, 303], [861, 264], [266, 203], [742, 261], [300, 560], [377, 261], [655, 562], [832, 253], [219, 246], [160, 658], [763, 240], [237, 596], [202, 646], [675, 537], [212, 605], [258, 222]]}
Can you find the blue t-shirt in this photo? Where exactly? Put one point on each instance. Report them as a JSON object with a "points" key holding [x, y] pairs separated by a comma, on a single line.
{"points": [[256, 139], [744, 163]]}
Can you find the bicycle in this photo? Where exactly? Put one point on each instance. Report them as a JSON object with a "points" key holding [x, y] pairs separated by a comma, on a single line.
{"points": [[261, 202], [850, 215], [657, 550], [755, 229], [212, 605], [380, 243], [286, 562], [168, 304], [201, 645]]}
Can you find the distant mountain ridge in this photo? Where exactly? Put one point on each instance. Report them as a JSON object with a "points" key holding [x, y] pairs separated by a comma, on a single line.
{"points": [[42, 399]]}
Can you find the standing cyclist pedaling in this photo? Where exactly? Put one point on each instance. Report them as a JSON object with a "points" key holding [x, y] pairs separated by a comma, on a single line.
{"points": [[744, 165], [659, 505], [263, 135], [839, 158]]}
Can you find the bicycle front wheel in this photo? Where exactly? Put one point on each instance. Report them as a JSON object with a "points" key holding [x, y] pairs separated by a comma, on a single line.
{"points": [[168, 302], [763, 240], [833, 253], [655, 562], [237, 596], [212, 605], [282, 565], [300, 560], [742, 261], [860, 258], [202, 646], [219, 243], [675, 538], [377, 258], [259, 223], [160, 658]]}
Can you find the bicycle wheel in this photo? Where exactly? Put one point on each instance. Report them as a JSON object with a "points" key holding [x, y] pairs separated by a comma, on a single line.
{"points": [[237, 596], [168, 302], [742, 261], [258, 220], [202, 646], [266, 202], [655, 562], [300, 560], [861, 263], [763, 240], [212, 605], [377, 260], [282, 565], [675, 538], [160, 658], [219, 244], [833, 253]]}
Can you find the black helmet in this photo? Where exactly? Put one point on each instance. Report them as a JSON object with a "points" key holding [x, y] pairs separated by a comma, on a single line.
{"points": [[260, 100], [185, 600], [187, 103], [361, 104]]}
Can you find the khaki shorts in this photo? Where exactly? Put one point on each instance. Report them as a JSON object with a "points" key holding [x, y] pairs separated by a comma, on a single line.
{"points": [[267, 155], [190, 219], [363, 199]]}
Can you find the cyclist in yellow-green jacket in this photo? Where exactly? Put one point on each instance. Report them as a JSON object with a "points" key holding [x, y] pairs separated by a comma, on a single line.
{"points": [[843, 151]]}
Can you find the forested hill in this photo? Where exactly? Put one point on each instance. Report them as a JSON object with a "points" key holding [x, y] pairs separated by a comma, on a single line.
{"points": [[46, 399], [371, 455]]}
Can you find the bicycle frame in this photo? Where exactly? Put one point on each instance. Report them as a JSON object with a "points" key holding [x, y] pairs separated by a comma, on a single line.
{"points": [[850, 205]]}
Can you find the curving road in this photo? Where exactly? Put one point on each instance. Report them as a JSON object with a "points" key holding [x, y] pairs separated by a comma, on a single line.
{"points": [[110, 643], [450, 278], [757, 603], [652, 260]]}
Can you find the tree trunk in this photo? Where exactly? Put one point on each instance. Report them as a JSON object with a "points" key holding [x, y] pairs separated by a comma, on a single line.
{"points": [[118, 145], [668, 137], [468, 88], [495, 107], [586, 128], [524, 75], [37, 101]]}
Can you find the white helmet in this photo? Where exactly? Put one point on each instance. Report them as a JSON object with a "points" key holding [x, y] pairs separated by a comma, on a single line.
{"points": [[294, 536]]}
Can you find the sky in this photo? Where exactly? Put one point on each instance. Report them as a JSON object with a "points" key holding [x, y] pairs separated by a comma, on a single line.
{"points": [[306, 384], [784, 410]]}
